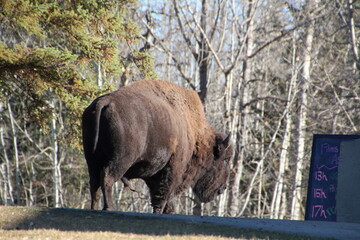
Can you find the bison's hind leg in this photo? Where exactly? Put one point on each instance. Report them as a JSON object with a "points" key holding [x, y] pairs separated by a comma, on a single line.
{"points": [[112, 173], [107, 182], [94, 191]]}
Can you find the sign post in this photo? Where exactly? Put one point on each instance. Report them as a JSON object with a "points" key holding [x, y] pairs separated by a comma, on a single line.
{"points": [[348, 193]]}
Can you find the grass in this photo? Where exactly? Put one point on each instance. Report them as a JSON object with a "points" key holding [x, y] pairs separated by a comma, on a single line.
{"points": [[47, 223]]}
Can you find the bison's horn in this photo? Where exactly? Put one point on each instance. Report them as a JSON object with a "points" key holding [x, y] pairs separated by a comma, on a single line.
{"points": [[227, 140]]}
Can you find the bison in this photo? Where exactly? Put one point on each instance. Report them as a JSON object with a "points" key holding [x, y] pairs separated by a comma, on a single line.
{"points": [[156, 131]]}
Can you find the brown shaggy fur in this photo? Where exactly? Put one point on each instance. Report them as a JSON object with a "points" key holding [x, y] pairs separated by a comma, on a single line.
{"points": [[156, 131]]}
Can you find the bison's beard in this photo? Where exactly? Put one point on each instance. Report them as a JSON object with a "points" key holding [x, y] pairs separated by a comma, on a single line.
{"points": [[210, 186]]}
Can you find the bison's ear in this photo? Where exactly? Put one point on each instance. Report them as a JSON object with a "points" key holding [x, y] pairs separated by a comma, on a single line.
{"points": [[221, 145]]}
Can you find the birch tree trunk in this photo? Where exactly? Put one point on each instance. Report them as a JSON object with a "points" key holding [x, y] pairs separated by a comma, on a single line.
{"points": [[7, 187], [204, 53], [354, 40], [246, 97], [262, 89], [229, 80], [277, 204], [203, 63], [303, 113], [31, 183], [55, 158], [16, 156], [99, 76]]}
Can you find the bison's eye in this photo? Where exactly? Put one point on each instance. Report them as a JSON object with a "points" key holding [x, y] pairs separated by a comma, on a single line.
{"points": [[226, 162]]}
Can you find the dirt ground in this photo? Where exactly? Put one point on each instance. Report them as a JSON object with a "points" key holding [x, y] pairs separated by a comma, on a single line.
{"points": [[337, 230]]}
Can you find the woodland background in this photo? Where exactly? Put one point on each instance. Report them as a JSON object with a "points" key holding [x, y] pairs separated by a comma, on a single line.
{"points": [[272, 72]]}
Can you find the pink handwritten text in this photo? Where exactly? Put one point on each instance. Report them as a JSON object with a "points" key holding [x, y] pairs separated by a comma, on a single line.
{"points": [[320, 176], [318, 211], [319, 193], [327, 148]]}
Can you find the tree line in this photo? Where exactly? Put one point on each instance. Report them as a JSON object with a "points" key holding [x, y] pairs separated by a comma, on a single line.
{"points": [[270, 72]]}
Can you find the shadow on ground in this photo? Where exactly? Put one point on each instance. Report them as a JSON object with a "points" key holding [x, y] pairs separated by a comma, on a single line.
{"points": [[93, 221]]}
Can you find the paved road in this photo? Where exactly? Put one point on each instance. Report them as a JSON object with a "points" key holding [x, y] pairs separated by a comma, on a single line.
{"points": [[337, 230]]}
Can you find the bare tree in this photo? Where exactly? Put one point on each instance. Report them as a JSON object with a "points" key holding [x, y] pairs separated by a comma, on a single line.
{"points": [[279, 198], [305, 81], [354, 38], [6, 182], [16, 155]]}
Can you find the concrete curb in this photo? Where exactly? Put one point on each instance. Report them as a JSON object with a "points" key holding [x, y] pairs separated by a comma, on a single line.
{"points": [[337, 230]]}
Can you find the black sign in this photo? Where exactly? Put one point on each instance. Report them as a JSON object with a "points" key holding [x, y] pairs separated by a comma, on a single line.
{"points": [[321, 198]]}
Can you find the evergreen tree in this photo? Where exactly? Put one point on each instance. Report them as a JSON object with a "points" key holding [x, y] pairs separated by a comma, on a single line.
{"points": [[55, 58], [56, 49]]}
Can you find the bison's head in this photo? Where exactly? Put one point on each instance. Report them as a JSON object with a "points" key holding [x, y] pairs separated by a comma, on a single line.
{"points": [[213, 182]]}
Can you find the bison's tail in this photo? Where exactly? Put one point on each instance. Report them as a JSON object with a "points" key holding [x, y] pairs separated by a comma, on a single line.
{"points": [[98, 109]]}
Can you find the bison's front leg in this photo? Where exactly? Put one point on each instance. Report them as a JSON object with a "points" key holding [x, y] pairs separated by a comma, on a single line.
{"points": [[169, 207], [161, 186]]}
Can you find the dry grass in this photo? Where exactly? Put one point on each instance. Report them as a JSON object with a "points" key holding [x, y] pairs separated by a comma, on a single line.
{"points": [[47, 223], [71, 235]]}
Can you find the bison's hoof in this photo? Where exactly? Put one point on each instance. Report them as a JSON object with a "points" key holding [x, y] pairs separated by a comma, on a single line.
{"points": [[108, 209]]}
